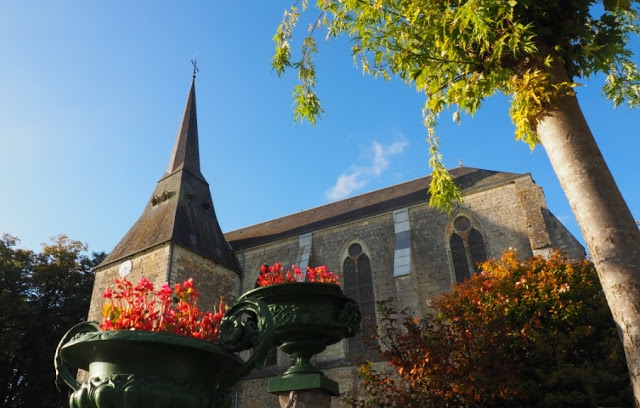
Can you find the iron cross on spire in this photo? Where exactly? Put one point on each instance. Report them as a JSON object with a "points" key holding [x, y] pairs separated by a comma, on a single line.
{"points": [[194, 62]]}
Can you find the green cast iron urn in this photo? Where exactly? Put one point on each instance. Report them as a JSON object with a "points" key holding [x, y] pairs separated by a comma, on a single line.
{"points": [[309, 316], [134, 368]]}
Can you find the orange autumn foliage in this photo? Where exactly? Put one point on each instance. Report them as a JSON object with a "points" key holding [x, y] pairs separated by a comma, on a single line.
{"points": [[536, 333]]}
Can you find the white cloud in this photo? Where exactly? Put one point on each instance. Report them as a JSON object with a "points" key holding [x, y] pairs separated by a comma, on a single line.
{"points": [[346, 184], [359, 176]]}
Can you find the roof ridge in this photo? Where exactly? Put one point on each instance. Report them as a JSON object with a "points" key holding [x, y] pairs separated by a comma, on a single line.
{"points": [[374, 202], [463, 168]]}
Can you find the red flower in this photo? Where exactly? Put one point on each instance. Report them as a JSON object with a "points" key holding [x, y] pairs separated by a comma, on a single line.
{"points": [[141, 308], [108, 293], [273, 275]]}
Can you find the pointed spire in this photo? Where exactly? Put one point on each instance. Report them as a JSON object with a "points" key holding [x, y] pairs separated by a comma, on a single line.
{"points": [[186, 154], [180, 210]]}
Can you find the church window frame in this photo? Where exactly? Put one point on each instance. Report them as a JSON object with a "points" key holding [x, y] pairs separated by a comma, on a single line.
{"points": [[358, 284], [466, 246]]}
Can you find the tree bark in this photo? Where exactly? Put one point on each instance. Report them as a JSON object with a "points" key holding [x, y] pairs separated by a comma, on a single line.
{"points": [[605, 220]]}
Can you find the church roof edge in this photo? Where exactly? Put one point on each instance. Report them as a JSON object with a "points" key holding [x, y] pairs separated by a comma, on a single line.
{"points": [[363, 205]]}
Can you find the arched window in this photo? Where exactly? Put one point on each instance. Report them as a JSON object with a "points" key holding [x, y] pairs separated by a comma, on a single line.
{"points": [[476, 245], [467, 248], [459, 257], [358, 285]]}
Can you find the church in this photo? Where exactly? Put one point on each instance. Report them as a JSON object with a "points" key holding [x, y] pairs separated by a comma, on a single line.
{"points": [[383, 244]]}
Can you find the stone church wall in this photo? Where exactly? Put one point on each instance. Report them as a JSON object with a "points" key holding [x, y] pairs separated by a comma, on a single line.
{"points": [[507, 215], [563, 239], [151, 263], [212, 280], [283, 251], [512, 214]]}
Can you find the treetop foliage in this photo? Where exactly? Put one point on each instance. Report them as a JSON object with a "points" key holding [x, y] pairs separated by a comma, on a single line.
{"points": [[42, 295], [536, 333], [460, 52]]}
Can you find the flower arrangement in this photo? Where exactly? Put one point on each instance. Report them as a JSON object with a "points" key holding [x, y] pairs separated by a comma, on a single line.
{"points": [[140, 307], [275, 274]]}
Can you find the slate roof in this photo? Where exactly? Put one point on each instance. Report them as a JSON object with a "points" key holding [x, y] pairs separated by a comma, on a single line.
{"points": [[180, 209], [365, 205]]}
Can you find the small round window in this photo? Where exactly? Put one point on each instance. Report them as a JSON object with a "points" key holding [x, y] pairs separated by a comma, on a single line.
{"points": [[462, 224], [355, 250]]}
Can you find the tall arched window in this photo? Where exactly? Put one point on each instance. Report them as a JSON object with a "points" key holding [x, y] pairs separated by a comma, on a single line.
{"points": [[459, 257], [358, 285], [467, 248]]}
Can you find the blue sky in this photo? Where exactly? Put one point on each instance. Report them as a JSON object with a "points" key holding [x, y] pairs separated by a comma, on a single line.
{"points": [[91, 96]]}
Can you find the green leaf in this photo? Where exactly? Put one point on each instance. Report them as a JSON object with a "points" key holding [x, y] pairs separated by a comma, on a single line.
{"points": [[458, 53]]}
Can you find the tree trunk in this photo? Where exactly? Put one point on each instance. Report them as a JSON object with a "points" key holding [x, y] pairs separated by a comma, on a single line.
{"points": [[606, 222]]}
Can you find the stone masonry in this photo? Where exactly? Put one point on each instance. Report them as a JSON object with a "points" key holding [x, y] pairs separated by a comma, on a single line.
{"points": [[170, 263], [510, 212]]}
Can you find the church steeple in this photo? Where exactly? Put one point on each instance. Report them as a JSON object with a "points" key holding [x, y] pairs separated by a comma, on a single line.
{"points": [[186, 154], [180, 210]]}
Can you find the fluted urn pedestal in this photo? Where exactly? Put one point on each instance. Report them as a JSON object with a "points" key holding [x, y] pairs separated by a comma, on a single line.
{"points": [[308, 317]]}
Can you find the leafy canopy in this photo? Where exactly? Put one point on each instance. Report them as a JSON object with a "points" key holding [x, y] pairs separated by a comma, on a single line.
{"points": [[459, 52], [42, 295], [536, 333]]}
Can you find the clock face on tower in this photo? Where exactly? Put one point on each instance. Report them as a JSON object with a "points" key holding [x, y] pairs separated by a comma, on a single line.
{"points": [[125, 268]]}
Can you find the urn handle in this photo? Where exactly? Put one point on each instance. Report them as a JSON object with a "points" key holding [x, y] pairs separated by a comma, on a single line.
{"points": [[62, 371], [248, 324]]}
